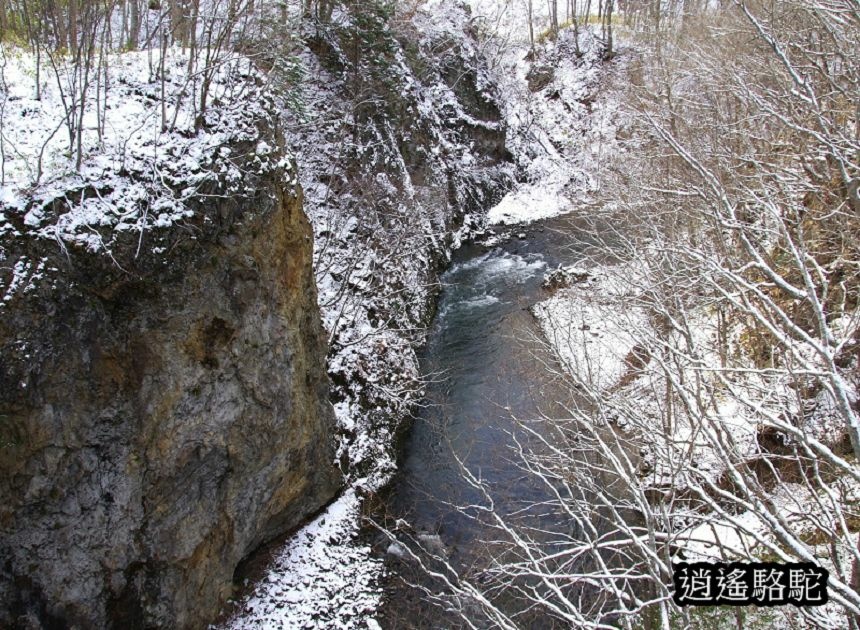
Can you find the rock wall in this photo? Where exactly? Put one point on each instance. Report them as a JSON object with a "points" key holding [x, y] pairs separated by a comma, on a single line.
{"points": [[408, 153], [163, 411]]}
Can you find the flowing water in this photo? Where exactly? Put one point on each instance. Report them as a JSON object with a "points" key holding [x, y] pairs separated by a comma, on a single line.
{"points": [[489, 371]]}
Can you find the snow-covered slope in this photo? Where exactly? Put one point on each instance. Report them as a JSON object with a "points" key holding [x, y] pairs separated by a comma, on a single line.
{"points": [[562, 121], [143, 167]]}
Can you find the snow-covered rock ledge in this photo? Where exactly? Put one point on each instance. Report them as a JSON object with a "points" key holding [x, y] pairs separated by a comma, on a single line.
{"points": [[143, 167], [164, 405]]}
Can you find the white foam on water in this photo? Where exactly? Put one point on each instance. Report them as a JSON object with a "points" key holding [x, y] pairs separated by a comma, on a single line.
{"points": [[480, 302]]}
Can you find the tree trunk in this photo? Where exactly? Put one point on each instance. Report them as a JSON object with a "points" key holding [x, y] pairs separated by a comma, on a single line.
{"points": [[73, 27], [531, 25], [3, 19], [134, 25], [608, 22]]}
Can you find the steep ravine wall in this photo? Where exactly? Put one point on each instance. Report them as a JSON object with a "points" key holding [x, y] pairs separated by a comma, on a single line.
{"points": [[394, 182], [406, 152], [163, 411]]}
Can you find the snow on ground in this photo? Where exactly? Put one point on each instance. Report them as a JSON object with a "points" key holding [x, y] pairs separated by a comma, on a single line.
{"points": [[588, 331], [321, 578], [530, 202], [709, 539], [508, 20], [136, 175], [595, 328], [608, 344]]}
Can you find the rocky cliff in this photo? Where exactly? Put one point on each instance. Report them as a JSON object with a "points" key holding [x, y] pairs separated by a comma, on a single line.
{"points": [[407, 153], [163, 404]]}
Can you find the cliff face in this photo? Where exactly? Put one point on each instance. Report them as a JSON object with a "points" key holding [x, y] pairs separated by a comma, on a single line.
{"points": [[394, 182], [163, 411]]}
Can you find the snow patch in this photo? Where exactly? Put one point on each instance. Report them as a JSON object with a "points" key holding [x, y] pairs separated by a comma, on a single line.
{"points": [[323, 574], [589, 330]]}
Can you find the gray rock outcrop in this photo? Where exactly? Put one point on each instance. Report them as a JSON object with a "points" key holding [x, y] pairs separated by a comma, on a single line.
{"points": [[163, 412]]}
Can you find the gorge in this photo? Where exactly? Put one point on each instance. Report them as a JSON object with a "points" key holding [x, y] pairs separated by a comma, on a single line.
{"points": [[485, 313]]}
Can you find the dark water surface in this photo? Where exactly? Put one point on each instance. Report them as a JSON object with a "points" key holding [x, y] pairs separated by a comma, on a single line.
{"points": [[489, 371]]}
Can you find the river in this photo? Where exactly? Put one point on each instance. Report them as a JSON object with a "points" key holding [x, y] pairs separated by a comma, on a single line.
{"points": [[488, 371]]}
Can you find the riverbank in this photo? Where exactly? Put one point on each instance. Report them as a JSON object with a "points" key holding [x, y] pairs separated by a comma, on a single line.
{"points": [[392, 185], [373, 364], [699, 342]]}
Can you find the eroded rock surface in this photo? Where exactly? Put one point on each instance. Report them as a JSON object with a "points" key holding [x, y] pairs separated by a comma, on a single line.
{"points": [[163, 411]]}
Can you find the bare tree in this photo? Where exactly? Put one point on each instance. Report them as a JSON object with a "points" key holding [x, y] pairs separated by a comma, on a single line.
{"points": [[729, 429]]}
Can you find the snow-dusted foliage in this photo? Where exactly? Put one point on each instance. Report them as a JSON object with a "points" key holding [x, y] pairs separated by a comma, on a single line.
{"points": [[395, 170], [562, 126], [144, 166], [719, 449]]}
